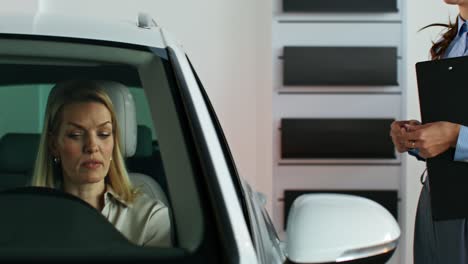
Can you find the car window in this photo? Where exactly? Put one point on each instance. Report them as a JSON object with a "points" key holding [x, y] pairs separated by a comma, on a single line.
{"points": [[143, 110], [165, 151]]}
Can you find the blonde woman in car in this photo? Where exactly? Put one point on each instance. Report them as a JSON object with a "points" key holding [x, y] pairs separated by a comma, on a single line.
{"points": [[79, 153]]}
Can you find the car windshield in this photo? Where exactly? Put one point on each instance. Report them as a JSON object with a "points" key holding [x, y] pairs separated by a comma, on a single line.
{"points": [[50, 222]]}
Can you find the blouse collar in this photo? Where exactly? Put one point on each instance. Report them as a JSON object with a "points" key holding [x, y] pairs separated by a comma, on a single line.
{"points": [[111, 194]]}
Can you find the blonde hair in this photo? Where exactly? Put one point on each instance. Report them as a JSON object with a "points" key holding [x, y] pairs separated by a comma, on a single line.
{"points": [[46, 172]]}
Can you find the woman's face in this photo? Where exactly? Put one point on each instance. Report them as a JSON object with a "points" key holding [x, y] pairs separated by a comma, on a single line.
{"points": [[84, 142]]}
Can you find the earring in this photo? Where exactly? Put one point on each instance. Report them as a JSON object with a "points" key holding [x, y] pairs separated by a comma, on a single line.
{"points": [[110, 159], [56, 160]]}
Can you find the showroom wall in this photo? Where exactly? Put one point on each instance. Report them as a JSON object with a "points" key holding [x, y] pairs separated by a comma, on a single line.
{"points": [[337, 87]]}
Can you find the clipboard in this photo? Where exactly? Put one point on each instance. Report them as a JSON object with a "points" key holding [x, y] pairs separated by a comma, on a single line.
{"points": [[443, 96]]}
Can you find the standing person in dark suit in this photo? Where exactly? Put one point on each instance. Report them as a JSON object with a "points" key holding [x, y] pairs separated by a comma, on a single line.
{"points": [[443, 241]]}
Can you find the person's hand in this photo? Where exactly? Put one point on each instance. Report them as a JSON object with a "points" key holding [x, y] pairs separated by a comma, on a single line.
{"points": [[433, 138], [398, 134]]}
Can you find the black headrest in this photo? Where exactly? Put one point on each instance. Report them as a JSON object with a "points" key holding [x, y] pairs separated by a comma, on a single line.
{"points": [[18, 152]]}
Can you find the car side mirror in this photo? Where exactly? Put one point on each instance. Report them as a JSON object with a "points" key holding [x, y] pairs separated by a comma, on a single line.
{"points": [[329, 228]]}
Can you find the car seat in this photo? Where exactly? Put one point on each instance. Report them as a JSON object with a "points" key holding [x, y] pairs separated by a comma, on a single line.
{"points": [[17, 156], [147, 158], [124, 107]]}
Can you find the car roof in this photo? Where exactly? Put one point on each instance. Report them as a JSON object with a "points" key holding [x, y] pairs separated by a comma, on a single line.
{"points": [[90, 28]]}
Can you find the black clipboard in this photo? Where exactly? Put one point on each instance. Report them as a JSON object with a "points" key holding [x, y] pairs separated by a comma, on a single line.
{"points": [[443, 96]]}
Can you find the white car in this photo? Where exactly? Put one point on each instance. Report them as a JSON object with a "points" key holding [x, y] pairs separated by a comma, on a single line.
{"points": [[181, 156]]}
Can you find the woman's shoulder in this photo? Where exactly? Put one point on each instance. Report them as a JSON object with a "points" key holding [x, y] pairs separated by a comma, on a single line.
{"points": [[145, 221], [157, 224], [139, 200], [143, 202]]}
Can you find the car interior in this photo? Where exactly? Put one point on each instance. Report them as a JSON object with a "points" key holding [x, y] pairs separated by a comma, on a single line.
{"points": [[157, 144], [18, 152]]}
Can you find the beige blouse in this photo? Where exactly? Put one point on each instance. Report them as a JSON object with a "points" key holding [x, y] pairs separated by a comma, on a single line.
{"points": [[144, 222]]}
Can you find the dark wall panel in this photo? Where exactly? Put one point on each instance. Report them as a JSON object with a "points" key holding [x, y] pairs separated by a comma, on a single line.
{"points": [[340, 6], [363, 66], [336, 138], [388, 199]]}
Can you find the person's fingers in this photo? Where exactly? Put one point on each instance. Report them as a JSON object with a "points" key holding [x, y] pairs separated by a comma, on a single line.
{"points": [[397, 138], [399, 134], [415, 134], [414, 122], [399, 123], [411, 128], [395, 126], [414, 125], [401, 144], [411, 144], [395, 133]]}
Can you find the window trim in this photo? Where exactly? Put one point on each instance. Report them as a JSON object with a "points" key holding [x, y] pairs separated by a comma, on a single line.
{"points": [[188, 89]]}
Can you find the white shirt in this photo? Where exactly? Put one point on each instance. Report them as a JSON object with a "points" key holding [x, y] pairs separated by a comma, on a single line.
{"points": [[144, 222]]}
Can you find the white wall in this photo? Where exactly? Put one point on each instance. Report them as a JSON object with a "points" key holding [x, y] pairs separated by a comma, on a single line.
{"points": [[418, 13], [264, 71]]}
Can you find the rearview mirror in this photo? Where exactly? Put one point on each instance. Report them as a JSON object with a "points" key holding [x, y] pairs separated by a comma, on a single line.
{"points": [[329, 228]]}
